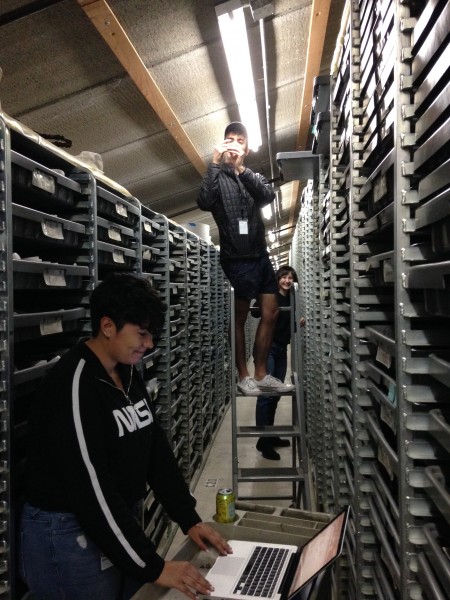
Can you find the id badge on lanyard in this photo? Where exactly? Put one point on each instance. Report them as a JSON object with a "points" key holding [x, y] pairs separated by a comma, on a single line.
{"points": [[243, 226]]}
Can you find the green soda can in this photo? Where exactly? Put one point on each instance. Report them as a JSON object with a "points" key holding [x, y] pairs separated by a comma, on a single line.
{"points": [[225, 506]]}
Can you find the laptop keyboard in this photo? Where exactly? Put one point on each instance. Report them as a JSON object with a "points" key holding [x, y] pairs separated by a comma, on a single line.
{"points": [[261, 573]]}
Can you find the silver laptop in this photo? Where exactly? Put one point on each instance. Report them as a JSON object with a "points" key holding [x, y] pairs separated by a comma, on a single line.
{"points": [[277, 571]]}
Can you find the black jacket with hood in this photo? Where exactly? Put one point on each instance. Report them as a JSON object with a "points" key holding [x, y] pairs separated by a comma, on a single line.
{"points": [[93, 448], [230, 197]]}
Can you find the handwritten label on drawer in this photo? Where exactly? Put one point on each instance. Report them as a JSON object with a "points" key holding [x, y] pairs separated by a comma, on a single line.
{"points": [[380, 188], [384, 459], [114, 234], [50, 325], [55, 277], [388, 271], [43, 181], [118, 257], [388, 416], [121, 209], [383, 357], [392, 394], [53, 229]]}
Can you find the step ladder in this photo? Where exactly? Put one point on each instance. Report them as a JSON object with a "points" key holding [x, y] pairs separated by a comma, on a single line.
{"points": [[297, 472]]}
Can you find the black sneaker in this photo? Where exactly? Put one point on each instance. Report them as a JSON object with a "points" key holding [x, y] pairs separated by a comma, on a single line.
{"points": [[278, 442], [266, 450]]}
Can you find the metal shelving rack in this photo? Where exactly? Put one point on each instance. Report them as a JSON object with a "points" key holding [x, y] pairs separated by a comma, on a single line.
{"points": [[194, 367], [46, 278], [7, 544], [220, 344], [422, 268], [83, 226], [153, 263], [206, 333], [390, 276]]}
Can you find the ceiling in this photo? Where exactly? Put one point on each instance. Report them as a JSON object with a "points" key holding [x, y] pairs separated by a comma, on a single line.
{"points": [[145, 84]]}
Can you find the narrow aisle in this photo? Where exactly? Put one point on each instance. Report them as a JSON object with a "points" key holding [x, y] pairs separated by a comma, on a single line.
{"points": [[217, 471]]}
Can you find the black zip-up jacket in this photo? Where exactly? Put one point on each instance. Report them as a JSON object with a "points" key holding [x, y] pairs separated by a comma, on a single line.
{"points": [[230, 197], [92, 450]]}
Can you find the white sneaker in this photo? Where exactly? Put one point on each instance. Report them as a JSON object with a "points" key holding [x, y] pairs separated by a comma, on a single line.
{"points": [[272, 384], [248, 387]]}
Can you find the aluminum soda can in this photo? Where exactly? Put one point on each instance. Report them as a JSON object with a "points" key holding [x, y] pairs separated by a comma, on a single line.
{"points": [[225, 506]]}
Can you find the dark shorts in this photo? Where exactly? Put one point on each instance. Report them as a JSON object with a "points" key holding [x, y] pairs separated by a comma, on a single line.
{"points": [[251, 277]]}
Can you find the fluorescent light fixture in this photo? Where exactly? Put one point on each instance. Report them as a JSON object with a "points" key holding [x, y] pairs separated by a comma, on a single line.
{"points": [[235, 42]]}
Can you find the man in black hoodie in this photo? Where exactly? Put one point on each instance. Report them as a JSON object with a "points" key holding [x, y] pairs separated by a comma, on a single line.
{"points": [[94, 446], [235, 196]]}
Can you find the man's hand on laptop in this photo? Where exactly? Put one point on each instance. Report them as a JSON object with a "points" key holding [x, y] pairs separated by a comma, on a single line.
{"points": [[202, 533], [183, 576]]}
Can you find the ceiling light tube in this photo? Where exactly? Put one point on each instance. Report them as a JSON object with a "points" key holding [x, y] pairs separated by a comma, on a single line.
{"points": [[233, 30]]}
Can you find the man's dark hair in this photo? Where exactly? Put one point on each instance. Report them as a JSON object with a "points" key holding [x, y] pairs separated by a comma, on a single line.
{"points": [[126, 298], [236, 127]]}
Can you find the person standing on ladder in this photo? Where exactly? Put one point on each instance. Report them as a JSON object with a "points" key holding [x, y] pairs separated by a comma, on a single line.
{"points": [[235, 196], [266, 405]]}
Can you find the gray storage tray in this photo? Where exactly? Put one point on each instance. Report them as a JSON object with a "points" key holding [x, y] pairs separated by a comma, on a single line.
{"points": [[31, 275]]}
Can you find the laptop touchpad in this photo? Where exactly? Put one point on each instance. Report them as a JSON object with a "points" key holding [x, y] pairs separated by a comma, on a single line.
{"points": [[227, 565]]}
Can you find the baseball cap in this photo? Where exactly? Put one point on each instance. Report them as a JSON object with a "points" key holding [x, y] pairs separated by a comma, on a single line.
{"points": [[235, 127]]}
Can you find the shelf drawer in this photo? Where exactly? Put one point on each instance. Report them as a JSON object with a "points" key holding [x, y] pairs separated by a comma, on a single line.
{"points": [[117, 209], [438, 490], [113, 233], [35, 325], [115, 256], [32, 225], [26, 379], [150, 254], [30, 275], [437, 552], [32, 181]]}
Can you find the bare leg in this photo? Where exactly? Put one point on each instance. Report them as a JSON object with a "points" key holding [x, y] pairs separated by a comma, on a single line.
{"points": [[263, 339], [241, 312]]}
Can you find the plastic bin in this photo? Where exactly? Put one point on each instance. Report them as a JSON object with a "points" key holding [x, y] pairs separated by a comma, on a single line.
{"points": [[33, 181], [117, 209], [33, 226]]}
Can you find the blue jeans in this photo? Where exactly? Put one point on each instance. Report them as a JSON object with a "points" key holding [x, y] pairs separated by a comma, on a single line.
{"points": [[266, 406], [58, 562]]}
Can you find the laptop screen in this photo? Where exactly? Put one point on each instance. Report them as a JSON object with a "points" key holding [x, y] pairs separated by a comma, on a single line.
{"points": [[322, 549]]}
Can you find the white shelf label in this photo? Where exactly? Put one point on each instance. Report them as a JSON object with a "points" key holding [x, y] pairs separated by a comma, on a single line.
{"points": [[118, 257], [55, 277], [114, 234], [121, 209], [51, 325], [43, 181], [53, 229]]}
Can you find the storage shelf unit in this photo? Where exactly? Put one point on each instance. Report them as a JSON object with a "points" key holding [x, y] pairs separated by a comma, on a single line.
{"points": [[63, 229], [387, 213]]}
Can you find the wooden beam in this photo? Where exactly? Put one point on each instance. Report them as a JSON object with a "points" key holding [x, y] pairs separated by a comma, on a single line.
{"points": [[317, 30], [106, 23]]}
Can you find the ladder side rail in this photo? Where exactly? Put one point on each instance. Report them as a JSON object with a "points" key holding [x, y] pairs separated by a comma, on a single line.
{"points": [[299, 398], [234, 449]]}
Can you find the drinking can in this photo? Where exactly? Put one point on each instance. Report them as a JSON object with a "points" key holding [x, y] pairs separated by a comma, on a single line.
{"points": [[225, 506]]}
